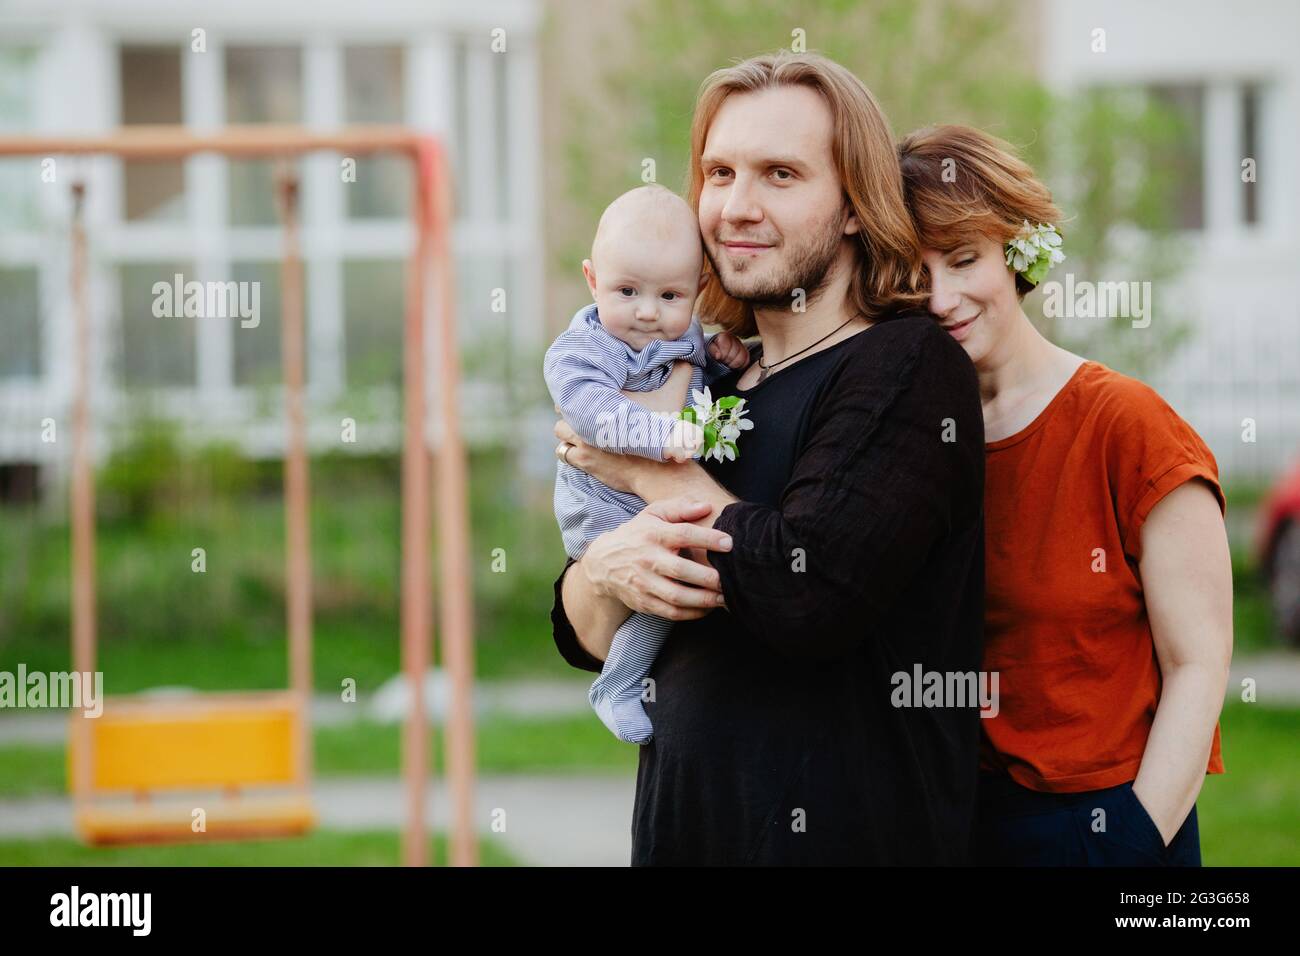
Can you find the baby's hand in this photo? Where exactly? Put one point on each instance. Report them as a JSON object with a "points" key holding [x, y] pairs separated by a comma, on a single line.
{"points": [[684, 441], [729, 350]]}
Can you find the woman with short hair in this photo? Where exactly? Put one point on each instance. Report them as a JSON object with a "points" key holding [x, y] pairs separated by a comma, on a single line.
{"points": [[1108, 614]]}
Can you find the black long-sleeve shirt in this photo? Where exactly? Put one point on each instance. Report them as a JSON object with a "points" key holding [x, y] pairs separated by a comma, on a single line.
{"points": [[858, 554]]}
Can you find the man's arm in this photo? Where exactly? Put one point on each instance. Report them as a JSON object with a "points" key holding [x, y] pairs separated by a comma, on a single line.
{"points": [[872, 491], [685, 479], [875, 487], [636, 566], [594, 618]]}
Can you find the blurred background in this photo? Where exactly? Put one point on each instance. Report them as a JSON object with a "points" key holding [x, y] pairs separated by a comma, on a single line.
{"points": [[1139, 116]]}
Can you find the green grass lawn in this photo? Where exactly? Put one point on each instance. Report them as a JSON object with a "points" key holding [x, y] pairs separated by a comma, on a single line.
{"points": [[578, 744], [233, 641], [1252, 612], [1248, 816], [163, 623], [322, 848]]}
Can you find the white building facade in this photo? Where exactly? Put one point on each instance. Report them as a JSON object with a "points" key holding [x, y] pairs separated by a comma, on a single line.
{"points": [[1234, 71], [467, 73], [470, 73]]}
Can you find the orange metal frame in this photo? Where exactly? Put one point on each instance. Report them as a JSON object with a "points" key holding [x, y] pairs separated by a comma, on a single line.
{"points": [[431, 261]]}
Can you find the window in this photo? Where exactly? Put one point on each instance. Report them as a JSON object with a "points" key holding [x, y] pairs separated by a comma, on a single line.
{"points": [[20, 323], [151, 94], [374, 298], [481, 148], [257, 348], [372, 80], [154, 350], [19, 176], [1179, 115], [1184, 155], [263, 85], [1250, 147], [20, 182], [484, 334]]}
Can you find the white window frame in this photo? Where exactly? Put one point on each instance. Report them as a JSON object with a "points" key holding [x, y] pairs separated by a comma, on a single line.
{"points": [[84, 53]]}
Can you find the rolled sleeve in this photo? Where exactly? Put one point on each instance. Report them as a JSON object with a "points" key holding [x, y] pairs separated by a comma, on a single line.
{"points": [[566, 639]]}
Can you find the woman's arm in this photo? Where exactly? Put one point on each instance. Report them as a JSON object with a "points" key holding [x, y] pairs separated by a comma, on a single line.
{"points": [[1186, 576]]}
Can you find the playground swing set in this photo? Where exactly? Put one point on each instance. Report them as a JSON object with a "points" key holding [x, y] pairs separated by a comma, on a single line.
{"points": [[209, 766]]}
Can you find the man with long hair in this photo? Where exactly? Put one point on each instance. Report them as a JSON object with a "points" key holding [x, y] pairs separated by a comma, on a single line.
{"points": [[840, 554]]}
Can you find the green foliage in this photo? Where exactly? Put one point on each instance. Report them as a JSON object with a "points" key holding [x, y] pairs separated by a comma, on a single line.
{"points": [[161, 623], [925, 63], [1250, 815], [140, 476], [1108, 155], [322, 848], [150, 475], [1113, 153]]}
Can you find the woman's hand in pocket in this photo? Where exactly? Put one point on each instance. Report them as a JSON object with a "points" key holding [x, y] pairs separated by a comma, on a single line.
{"points": [[1162, 823]]}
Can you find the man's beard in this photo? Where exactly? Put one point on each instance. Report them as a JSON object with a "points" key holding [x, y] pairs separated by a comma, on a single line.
{"points": [[807, 267]]}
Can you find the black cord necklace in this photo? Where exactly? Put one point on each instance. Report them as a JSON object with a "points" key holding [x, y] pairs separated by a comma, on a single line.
{"points": [[767, 368]]}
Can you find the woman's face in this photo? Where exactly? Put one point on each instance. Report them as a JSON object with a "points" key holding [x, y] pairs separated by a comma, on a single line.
{"points": [[973, 295]]}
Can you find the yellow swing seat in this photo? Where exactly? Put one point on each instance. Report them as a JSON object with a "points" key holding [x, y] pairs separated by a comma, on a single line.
{"points": [[141, 770]]}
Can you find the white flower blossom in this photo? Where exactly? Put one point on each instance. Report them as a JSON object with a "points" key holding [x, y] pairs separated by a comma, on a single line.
{"points": [[722, 422], [1034, 250]]}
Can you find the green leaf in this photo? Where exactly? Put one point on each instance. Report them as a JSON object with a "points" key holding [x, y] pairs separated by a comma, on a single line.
{"points": [[728, 402], [1037, 272], [710, 435]]}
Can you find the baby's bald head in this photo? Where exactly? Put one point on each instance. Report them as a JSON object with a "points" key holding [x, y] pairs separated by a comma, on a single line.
{"points": [[646, 266], [647, 213]]}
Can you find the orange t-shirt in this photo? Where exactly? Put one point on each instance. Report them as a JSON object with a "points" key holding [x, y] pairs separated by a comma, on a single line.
{"points": [[1065, 497]]}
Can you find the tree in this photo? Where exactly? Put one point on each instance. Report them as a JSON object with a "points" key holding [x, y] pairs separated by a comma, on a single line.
{"points": [[1105, 152]]}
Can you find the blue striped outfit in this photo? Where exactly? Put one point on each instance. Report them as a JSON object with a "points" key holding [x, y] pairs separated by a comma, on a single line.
{"points": [[585, 369]]}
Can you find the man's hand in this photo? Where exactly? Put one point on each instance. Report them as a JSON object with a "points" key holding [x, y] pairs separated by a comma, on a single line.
{"points": [[729, 350], [640, 564]]}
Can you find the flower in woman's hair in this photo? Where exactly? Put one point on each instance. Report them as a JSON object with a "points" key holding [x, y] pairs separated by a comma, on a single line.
{"points": [[722, 421], [1034, 250]]}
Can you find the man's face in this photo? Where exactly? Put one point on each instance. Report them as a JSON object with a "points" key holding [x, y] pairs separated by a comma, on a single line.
{"points": [[772, 209]]}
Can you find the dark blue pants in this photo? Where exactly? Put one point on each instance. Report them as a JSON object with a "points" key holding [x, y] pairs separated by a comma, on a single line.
{"points": [[1015, 826]]}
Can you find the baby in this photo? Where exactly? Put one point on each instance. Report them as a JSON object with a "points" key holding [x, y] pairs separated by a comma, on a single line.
{"points": [[645, 270]]}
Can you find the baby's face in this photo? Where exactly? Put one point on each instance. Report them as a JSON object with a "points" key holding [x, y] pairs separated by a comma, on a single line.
{"points": [[645, 286]]}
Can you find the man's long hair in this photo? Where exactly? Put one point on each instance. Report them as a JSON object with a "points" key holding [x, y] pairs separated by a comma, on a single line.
{"points": [[887, 267]]}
